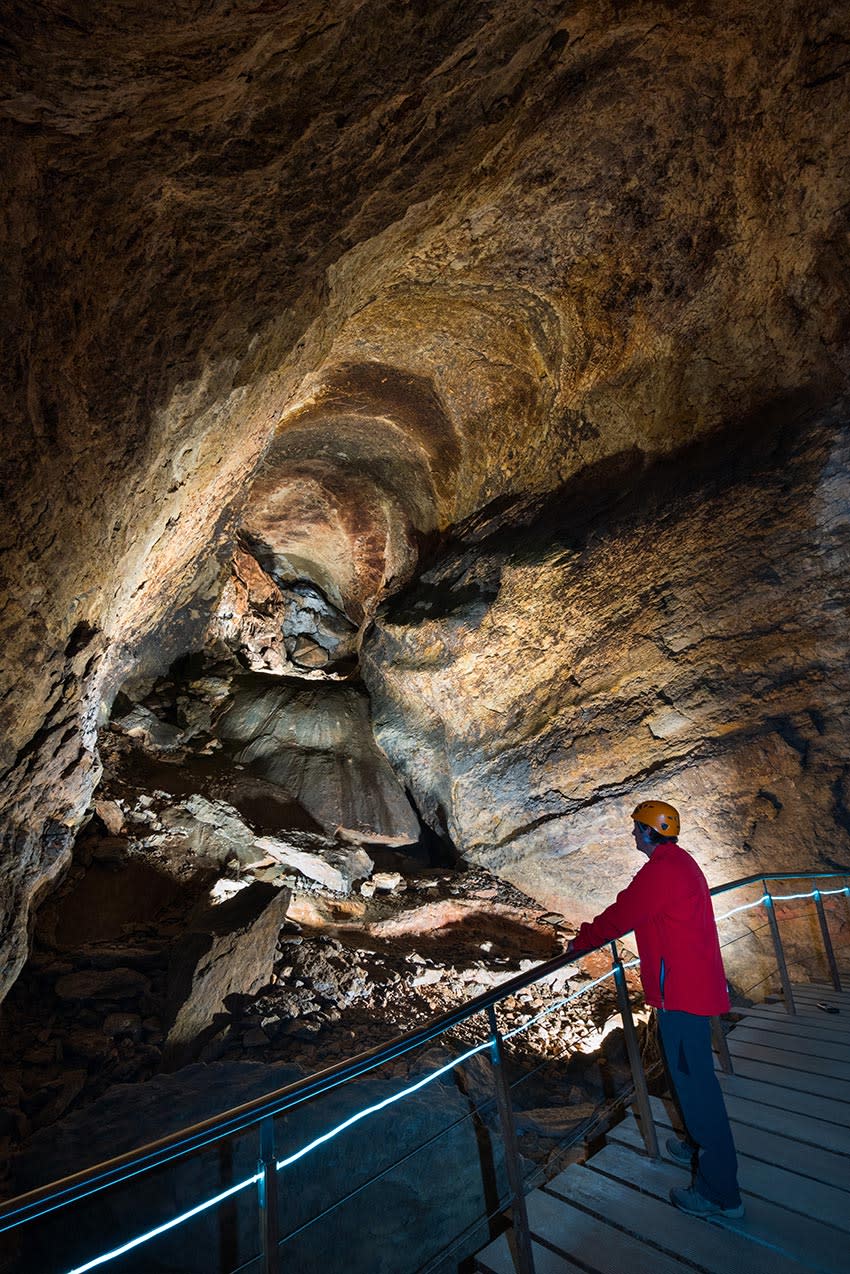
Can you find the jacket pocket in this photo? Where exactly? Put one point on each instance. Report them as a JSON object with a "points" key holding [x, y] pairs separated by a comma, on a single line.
{"points": [[661, 974]]}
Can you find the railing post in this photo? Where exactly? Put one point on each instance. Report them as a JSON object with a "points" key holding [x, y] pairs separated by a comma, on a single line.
{"points": [[633, 1049], [827, 941], [525, 1257], [790, 1006], [722, 1045], [267, 1187]]}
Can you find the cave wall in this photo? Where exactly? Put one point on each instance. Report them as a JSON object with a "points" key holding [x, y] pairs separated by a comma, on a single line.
{"points": [[394, 261], [688, 640]]}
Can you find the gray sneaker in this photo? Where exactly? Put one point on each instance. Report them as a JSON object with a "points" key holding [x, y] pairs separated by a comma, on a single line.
{"points": [[680, 1152], [696, 1204]]}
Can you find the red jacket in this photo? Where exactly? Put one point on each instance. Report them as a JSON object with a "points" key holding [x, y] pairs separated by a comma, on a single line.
{"points": [[668, 906]]}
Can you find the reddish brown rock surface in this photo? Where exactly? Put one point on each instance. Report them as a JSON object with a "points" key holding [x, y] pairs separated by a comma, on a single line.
{"points": [[412, 258], [544, 676]]}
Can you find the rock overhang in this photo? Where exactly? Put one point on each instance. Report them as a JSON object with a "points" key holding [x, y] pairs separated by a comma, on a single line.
{"points": [[573, 234]]}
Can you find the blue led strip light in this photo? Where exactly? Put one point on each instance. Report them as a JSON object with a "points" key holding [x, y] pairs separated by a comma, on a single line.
{"points": [[381, 1105], [567, 999], [166, 1225], [405, 1092], [765, 898], [824, 893], [747, 906]]}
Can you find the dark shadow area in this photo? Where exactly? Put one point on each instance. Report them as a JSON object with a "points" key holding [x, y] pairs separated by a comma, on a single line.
{"points": [[618, 492]]}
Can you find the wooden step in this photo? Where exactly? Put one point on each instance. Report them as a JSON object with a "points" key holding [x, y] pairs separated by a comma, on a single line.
{"points": [[835, 1026], [593, 1243], [827, 1068], [766, 1221], [651, 1217], [790, 1099], [773, 1072], [822, 1201], [815, 1044], [498, 1258]]}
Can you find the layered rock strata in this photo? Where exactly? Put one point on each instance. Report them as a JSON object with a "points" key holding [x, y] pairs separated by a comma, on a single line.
{"points": [[412, 258], [691, 642]]}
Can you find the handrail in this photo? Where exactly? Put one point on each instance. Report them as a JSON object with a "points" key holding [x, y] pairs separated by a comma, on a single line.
{"points": [[77, 1186]]}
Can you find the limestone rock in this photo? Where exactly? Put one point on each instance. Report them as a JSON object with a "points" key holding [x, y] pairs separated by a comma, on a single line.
{"points": [[544, 677], [212, 829], [157, 735], [111, 815], [342, 283], [333, 867], [230, 953], [123, 1024], [316, 743]]}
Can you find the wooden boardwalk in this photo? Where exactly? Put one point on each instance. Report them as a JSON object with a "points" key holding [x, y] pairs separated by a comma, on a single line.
{"points": [[789, 1105]]}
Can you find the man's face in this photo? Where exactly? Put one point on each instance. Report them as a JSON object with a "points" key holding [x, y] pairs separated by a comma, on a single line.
{"points": [[642, 842]]}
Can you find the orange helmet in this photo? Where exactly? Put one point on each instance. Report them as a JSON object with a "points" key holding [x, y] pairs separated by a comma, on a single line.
{"points": [[660, 816]]}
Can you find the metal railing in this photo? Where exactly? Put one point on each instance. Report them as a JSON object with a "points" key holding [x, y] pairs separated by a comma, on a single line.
{"points": [[258, 1117]]}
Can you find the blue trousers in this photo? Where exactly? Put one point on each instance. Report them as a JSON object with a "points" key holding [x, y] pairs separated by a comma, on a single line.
{"points": [[686, 1041]]}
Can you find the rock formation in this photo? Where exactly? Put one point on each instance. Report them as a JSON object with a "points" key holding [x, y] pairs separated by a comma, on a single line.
{"points": [[329, 283], [550, 671]]}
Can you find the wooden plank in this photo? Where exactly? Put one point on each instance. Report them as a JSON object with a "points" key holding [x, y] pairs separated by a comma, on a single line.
{"points": [[806, 996], [498, 1258], [594, 1243], [820, 1201], [788, 1123], [791, 1099], [811, 991], [776, 1073], [766, 1220], [791, 1061], [713, 1247], [812, 1045], [836, 1028]]}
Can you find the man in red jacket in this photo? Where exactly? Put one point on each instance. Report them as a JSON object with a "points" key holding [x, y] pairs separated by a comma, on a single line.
{"points": [[668, 906]]}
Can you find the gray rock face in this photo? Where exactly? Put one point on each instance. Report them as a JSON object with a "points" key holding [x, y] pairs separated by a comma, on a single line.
{"points": [[335, 867], [149, 730], [231, 952], [395, 265], [212, 829], [315, 741], [545, 675]]}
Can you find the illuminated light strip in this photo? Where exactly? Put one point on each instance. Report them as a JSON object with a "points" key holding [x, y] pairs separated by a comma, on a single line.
{"points": [[747, 906], [381, 1105], [166, 1225], [791, 897], [405, 1092], [427, 1079], [568, 999]]}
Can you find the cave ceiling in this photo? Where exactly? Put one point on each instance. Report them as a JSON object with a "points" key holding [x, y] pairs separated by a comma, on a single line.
{"points": [[326, 280]]}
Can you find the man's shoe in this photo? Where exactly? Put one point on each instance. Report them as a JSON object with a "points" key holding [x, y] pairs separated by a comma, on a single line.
{"points": [[696, 1204], [680, 1152]]}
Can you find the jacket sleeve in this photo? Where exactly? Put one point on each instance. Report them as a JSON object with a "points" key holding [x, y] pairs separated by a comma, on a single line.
{"points": [[642, 897]]}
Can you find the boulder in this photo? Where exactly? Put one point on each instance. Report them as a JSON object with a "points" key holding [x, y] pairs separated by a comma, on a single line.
{"points": [[140, 723], [335, 867], [315, 741], [229, 950], [212, 829]]}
